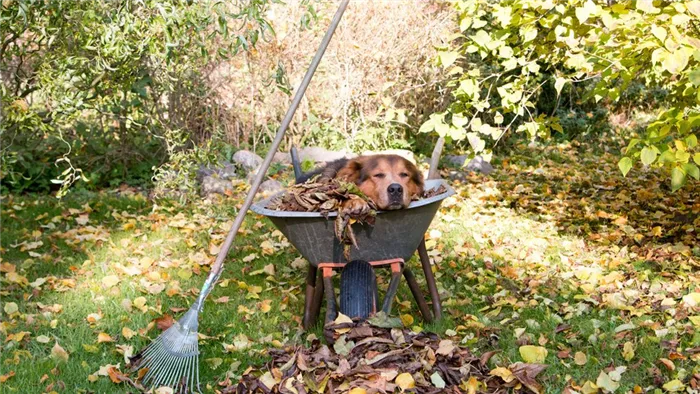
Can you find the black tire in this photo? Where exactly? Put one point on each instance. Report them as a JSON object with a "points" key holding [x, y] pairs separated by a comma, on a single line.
{"points": [[358, 290]]}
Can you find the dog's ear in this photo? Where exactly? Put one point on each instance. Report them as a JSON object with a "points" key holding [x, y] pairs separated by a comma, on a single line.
{"points": [[351, 172], [416, 177]]}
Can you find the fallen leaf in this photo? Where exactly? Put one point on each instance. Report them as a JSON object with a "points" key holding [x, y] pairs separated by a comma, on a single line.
{"points": [[692, 299], [58, 353], [5, 377], [606, 383], [104, 337], [503, 373], [110, 280], [674, 386], [164, 322], [437, 380], [11, 308], [580, 358], [533, 354], [128, 333], [405, 381], [43, 339]]}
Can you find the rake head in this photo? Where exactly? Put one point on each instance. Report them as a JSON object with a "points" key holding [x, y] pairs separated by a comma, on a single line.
{"points": [[172, 359]]}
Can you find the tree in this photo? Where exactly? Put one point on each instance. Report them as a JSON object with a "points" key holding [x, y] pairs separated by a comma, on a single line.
{"points": [[507, 51]]}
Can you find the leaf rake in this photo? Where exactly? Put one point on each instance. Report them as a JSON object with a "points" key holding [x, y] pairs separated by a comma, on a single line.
{"points": [[172, 359]]}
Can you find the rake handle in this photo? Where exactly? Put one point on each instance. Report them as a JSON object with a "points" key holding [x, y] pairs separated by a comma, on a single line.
{"points": [[262, 171]]}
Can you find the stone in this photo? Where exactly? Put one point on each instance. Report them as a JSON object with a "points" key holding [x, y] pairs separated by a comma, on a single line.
{"points": [[215, 185], [478, 164], [282, 158], [247, 160], [456, 160], [318, 154], [203, 172], [406, 154], [270, 187], [228, 171]]}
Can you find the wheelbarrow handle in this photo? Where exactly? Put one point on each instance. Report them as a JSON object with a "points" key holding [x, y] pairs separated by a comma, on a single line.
{"points": [[262, 171]]}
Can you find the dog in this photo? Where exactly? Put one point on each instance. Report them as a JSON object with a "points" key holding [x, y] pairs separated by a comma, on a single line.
{"points": [[391, 181]]}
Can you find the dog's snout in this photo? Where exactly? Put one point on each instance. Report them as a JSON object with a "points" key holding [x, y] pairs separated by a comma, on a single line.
{"points": [[395, 189]]}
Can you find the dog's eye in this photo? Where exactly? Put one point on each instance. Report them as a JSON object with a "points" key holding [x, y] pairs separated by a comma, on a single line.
{"points": [[379, 176], [403, 175]]}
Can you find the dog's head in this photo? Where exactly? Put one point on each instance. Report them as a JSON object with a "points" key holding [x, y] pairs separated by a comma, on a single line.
{"points": [[389, 180]]}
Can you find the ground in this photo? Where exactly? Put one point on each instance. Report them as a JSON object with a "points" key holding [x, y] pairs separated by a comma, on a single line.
{"points": [[555, 250]]}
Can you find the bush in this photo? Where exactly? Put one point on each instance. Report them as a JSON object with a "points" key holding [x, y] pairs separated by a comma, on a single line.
{"points": [[97, 92], [508, 53]]}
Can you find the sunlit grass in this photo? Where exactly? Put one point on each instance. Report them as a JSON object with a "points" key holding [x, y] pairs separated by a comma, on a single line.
{"points": [[508, 275]]}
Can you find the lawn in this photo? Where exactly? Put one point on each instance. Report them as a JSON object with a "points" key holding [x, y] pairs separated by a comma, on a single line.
{"points": [[555, 249]]}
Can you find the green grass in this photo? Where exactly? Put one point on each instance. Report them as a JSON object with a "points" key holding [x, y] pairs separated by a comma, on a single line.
{"points": [[506, 265]]}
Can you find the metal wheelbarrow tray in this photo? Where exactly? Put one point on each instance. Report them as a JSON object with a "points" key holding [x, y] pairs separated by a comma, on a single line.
{"points": [[396, 235]]}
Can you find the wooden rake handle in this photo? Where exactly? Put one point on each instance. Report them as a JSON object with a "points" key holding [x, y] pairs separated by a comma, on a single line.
{"points": [[262, 171]]}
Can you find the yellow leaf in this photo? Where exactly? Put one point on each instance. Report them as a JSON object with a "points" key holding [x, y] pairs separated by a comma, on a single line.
{"points": [[674, 386], [533, 354], [140, 302], [503, 373], [128, 333], [43, 339], [214, 249], [628, 351], [589, 388], [104, 337], [358, 390], [58, 353], [580, 358], [94, 317], [110, 280], [692, 299], [407, 320], [695, 320], [11, 308], [92, 378], [265, 306], [405, 381]]}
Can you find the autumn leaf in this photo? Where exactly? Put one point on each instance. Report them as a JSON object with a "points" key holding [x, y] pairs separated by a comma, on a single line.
{"points": [[164, 322], [533, 354], [58, 353], [104, 337], [405, 381]]}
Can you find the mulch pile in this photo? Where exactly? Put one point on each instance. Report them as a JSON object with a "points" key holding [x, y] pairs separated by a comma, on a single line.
{"points": [[372, 357]]}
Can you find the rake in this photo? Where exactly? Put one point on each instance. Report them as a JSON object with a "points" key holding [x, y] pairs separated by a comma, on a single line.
{"points": [[172, 359]]}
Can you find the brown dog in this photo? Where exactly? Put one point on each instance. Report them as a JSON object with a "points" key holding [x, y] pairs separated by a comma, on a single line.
{"points": [[390, 181]]}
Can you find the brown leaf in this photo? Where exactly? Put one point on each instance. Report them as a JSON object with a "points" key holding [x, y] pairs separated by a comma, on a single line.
{"points": [[526, 374], [164, 322]]}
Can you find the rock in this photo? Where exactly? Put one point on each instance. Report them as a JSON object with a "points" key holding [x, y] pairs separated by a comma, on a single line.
{"points": [[406, 154], [478, 164], [318, 154], [228, 171], [270, 187], [282, 158], [215, 185], [203, 172], [247, 159], [457, 161]]}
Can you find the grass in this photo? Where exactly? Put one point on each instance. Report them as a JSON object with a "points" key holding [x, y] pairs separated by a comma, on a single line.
{"points": [[518, 264]]}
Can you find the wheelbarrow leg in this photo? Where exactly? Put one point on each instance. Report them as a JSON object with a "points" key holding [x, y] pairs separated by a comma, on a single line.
{"points": [[309, 317], [331, 305], [396, 269], [430, 280], [417, 295], [317, 300]]}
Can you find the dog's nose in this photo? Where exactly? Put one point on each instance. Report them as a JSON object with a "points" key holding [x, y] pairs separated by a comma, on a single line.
{"points": [[395, 189]]}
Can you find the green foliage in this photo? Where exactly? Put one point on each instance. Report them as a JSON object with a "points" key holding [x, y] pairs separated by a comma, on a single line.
{"points": [[95, 89], [508, 52]]}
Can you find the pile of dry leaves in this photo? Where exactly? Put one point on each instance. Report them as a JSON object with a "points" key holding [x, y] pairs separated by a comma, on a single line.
{"points": [[373, 357], [328, 196]]}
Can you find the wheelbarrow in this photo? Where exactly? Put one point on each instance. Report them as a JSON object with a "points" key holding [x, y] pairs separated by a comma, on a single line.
{"points": [[391, 241]]}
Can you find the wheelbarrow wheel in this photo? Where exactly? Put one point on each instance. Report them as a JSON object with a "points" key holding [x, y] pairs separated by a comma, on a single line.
{"points": [[358, 290]]}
